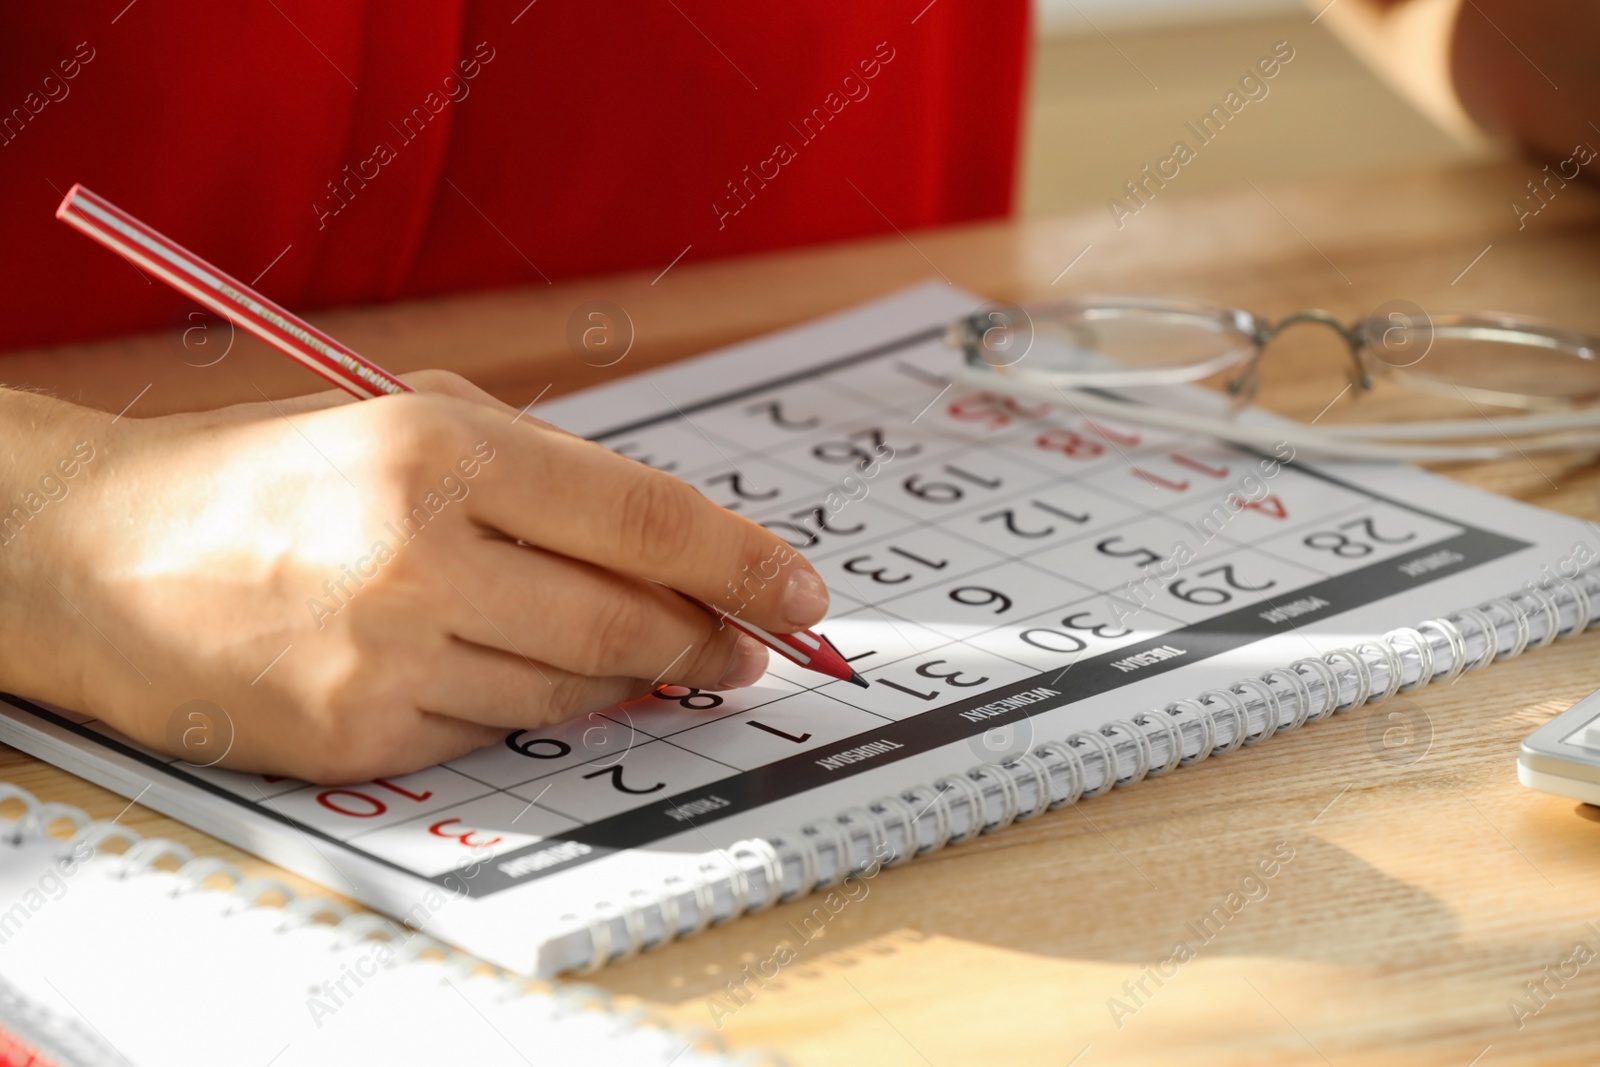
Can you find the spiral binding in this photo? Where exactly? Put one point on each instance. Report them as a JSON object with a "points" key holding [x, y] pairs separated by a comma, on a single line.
{"points": [[141, 856], [755, 874]]}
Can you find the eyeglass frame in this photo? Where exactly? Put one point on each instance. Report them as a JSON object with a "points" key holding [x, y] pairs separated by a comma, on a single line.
{"points": [[1557, 431], [969, 333]]}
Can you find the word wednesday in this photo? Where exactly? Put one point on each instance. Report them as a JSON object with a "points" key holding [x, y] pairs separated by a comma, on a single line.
{"points": [[1253, 86]]}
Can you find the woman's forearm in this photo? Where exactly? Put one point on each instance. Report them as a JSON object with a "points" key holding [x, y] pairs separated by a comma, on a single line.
{"points": [[52, 456]]}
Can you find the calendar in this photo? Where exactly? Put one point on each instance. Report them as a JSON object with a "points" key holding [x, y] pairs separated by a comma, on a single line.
{"points": [[1002, 572]]}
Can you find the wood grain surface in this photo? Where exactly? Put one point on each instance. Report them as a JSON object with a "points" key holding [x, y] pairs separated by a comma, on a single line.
{"points": [[1424, 886]]}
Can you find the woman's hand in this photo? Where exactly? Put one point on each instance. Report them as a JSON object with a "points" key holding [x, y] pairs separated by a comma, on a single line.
{"points": [[345, 580]]}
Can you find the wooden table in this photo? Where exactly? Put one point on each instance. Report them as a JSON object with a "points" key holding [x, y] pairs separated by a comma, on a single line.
{"points": [[1424, 889]]}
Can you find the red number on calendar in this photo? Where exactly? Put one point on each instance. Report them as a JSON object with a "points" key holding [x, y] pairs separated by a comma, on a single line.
{"points": [[993, 411], [349, 802], [979, 407], [1125, 438], [1198, 467], [1157, 480], [408, 794], [464, 838], [1069, 444], [1267, 505], [359, 805]]}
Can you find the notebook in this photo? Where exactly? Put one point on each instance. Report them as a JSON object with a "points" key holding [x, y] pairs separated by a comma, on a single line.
{"points": [[1046, 606], [117, 951]]}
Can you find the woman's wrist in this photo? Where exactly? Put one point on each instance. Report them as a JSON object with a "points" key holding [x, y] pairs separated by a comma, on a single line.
{"points": [[52, 458]]}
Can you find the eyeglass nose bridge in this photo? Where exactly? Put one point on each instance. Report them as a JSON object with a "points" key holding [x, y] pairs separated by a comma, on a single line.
{"points": [[1352, 337], [1243, 387]]}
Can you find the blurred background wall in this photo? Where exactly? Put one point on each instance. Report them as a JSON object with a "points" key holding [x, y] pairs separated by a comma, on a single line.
{"points": [[1113, 83]]}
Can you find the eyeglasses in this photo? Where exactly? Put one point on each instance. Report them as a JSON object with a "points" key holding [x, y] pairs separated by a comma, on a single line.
{"points": [[1079, 351]]}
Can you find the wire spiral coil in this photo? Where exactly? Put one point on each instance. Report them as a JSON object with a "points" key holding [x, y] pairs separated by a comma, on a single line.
{"points": [[989, 796]]}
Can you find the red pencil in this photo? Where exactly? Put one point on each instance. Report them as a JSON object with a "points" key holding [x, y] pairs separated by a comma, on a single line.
{"points": [[287, 332], [806, 647]]}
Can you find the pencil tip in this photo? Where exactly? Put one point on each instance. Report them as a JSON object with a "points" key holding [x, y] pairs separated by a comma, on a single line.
{"points": [[855, 677]]}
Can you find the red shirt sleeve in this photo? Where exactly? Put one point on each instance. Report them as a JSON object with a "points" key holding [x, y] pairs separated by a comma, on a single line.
{"points": [[358, 152]]}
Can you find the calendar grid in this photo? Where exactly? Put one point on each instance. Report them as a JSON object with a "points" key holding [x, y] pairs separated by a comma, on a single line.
{"points": [[782, 456], [1043, 476]]}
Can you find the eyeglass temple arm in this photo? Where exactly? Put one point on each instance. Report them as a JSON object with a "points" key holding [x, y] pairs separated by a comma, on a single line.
{"points": [[1243, 386]]}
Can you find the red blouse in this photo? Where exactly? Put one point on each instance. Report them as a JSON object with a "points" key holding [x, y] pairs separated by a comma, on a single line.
{"points": [[362, 151]]}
